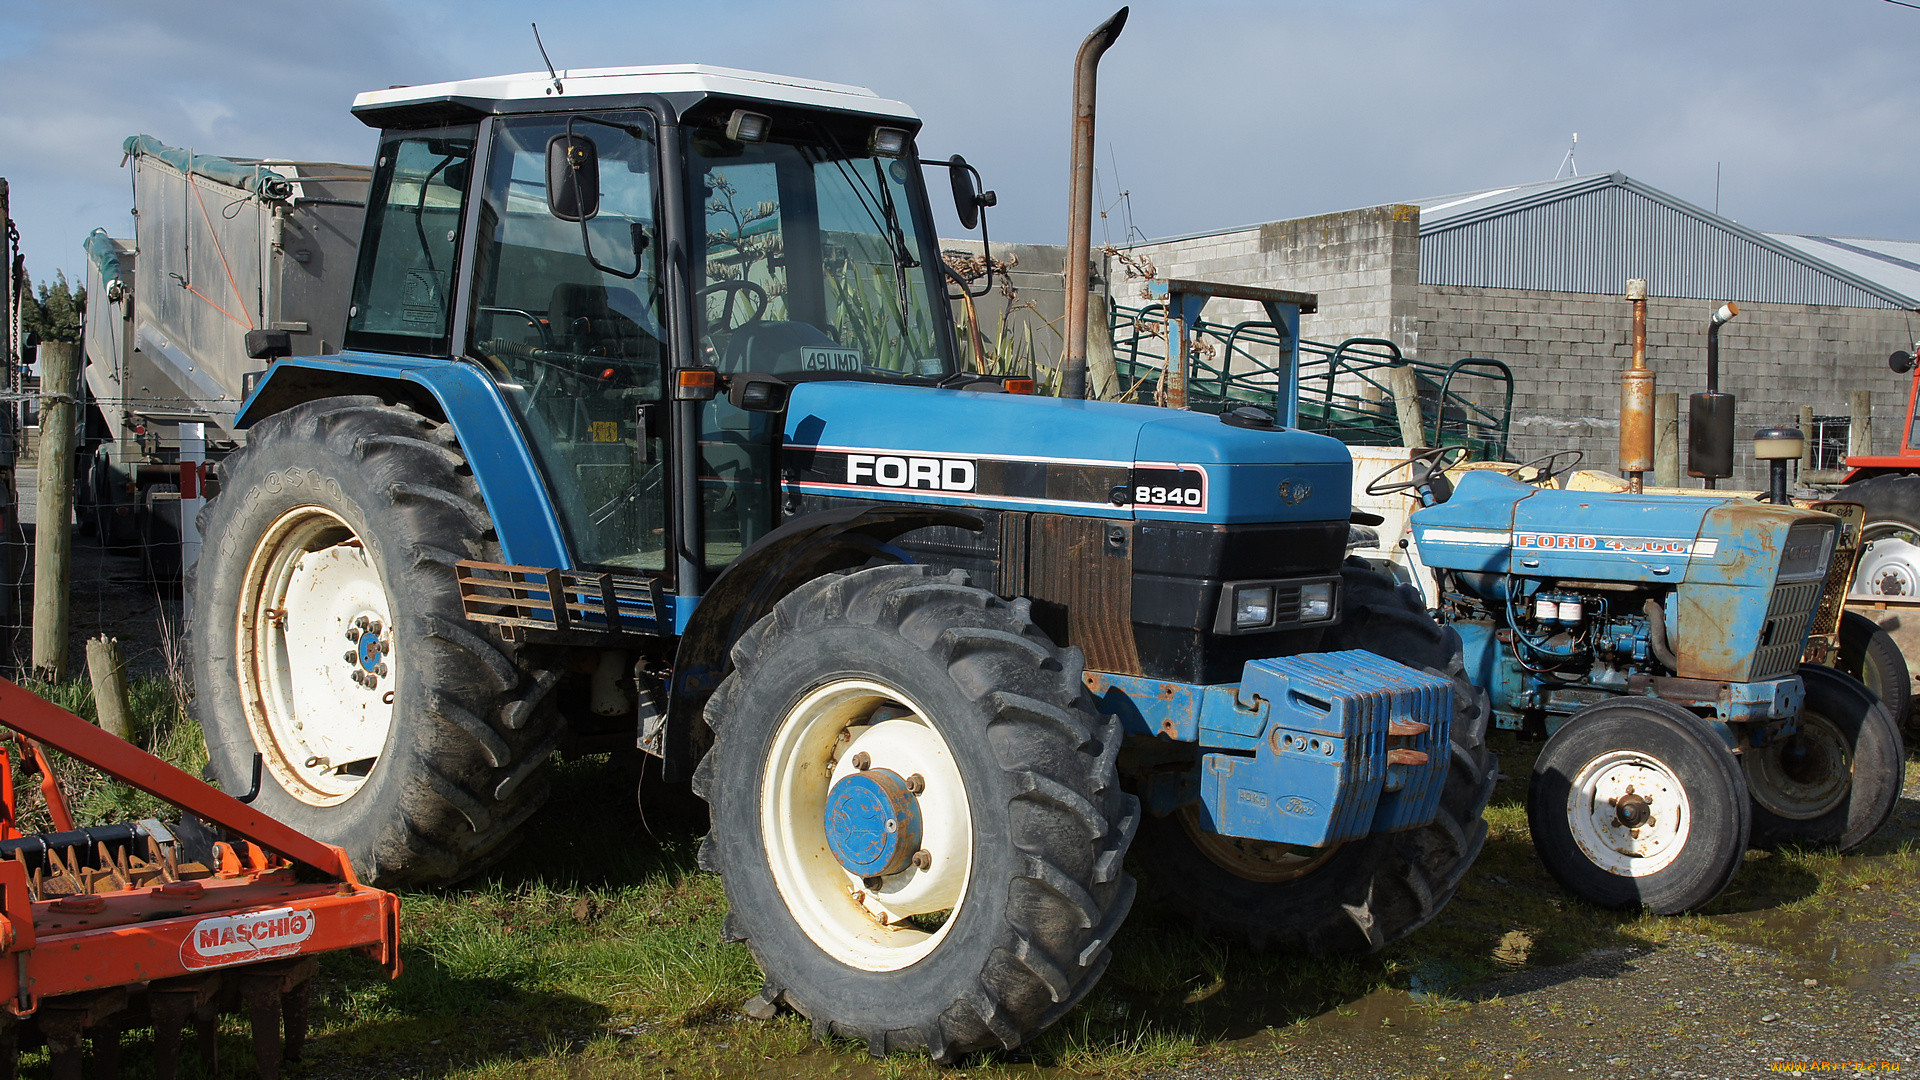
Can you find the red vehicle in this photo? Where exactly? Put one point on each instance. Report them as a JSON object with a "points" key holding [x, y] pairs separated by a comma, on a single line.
{"points": [[1888, 571]]}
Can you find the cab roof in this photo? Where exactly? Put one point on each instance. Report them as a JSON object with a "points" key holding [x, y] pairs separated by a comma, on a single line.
{"points": [[534, 90]]}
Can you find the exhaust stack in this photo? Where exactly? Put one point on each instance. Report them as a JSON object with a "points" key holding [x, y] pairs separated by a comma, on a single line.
{"points": [[1073, 362], [1636, 397]]}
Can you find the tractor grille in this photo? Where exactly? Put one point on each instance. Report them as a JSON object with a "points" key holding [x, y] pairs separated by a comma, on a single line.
{"points": [[592, 604], [1823, 635], [1785, 633]]}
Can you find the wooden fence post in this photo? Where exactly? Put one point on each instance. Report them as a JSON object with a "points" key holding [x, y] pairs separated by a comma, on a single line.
{"points": [[53, 533]]}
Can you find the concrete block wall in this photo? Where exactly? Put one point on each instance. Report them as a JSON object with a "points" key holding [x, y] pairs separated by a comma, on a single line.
{"points": [[1567, 351], [1364, 264]]}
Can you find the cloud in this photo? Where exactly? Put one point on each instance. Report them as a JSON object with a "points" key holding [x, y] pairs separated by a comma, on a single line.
{"points": [[1213, 114]]}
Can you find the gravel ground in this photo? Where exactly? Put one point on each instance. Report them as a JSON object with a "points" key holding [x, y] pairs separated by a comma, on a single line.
{"points": [[1830, 981]]}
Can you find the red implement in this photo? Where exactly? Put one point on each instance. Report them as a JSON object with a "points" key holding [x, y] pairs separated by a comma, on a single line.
{"points": [[112, 927]]}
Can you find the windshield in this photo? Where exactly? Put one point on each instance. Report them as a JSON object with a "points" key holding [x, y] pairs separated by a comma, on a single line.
{"points": [[815, 260]]}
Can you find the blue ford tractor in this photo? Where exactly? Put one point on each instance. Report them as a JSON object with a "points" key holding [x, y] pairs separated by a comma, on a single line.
{"points": [[650, 429], [1658, 639]]}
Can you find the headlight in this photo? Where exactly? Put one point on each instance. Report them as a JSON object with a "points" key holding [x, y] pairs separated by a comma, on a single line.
{"points": [[1252, 607], [1316, 602]]}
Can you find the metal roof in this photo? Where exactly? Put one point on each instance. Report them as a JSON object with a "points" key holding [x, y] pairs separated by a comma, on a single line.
{"points": [[1893, 263], [655, 79], [1591, 233]]}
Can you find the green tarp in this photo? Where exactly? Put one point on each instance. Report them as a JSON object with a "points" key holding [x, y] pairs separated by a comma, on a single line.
{"points": [[100, 249], [261, 181]]}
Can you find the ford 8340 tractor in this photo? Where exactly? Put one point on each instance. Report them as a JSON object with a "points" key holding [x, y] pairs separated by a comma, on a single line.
{"points": [[1658, 639], [650, 428]]}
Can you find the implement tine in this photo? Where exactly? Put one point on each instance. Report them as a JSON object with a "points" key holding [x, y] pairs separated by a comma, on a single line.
{"points": [[64, 1022], [170, 1002], [9, 1047], [262, 994], [269, 991]]}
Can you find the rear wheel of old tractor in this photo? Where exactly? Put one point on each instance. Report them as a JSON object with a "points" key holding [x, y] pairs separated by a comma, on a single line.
{"points": [[916, 813], [1638, 802], [1361, 895], [1834, 782], [1869, 653], [1889, 559], [328, 638]]}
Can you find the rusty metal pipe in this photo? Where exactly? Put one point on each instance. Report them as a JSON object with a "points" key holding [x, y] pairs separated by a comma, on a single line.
{"points": [[1636, 397], [1073, 361]]}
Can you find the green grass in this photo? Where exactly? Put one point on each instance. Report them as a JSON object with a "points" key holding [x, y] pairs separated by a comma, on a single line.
{"points": [[593, 952]]}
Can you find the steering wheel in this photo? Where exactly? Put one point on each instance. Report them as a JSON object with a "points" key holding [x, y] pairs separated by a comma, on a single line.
{"points": [[733, 288], [1548, 467], [1424, 464]]}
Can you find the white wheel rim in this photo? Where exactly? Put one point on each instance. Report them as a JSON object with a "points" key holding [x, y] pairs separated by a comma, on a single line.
{"points": [[812, 750], [310, 598], [1629, 813], [1889, 565], [1803, 777]]}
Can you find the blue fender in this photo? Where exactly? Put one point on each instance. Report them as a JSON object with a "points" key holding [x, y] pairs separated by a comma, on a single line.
{"points": [[463, 395]]}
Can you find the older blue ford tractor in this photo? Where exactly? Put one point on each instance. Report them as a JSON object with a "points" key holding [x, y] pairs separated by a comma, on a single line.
{"points": [[650, 428], [1658, 640]]}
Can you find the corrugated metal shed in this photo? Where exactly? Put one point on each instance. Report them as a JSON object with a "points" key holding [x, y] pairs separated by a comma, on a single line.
{"points": [[1591, 233], [1893, 263]]}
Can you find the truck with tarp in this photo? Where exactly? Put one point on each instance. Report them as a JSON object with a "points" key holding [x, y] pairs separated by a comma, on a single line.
{"points": [[222, 247]]}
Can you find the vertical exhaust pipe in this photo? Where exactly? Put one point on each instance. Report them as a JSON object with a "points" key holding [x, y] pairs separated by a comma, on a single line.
{"points": [[1636, 397], [1710, 415], [1073, 362]]}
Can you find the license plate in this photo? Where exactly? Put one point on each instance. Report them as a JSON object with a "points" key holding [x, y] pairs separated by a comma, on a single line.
{"points": [[814, 359]]}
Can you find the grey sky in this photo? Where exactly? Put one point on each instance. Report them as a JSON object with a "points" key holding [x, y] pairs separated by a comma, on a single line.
{"points": [[1214, 113]]}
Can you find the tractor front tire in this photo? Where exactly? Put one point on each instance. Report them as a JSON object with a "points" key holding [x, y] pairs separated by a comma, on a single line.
{"points": [[1364, 894], [1002, 776], [1869, 653], [328, 638], [1836, 780], [1638, 802]]}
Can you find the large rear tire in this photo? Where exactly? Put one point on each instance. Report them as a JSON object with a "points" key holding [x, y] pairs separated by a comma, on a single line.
{"points": [[1364, 894], [328, 638], [1638, 802], [1837, 779], [905, 684]]}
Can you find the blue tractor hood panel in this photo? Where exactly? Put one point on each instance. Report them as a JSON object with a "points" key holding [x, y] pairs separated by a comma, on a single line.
{"points": [[1023, 452], [1496, 524]]}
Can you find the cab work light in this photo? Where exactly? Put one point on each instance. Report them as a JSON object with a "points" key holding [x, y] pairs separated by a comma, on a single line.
{"points": [[748, 127], [888, 142]]}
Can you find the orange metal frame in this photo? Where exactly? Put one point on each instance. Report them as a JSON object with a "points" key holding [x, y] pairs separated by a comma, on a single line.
{"points": [[254, 908]]}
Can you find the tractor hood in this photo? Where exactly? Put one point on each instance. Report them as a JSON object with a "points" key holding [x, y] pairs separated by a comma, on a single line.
{"points": [[1496, 524], [1022, 452]]}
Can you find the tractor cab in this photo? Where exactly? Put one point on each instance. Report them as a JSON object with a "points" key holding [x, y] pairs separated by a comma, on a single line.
{"points": [[613, 247]]}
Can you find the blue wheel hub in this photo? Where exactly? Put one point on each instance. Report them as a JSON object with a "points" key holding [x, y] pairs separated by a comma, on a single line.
{"points": [[367, 659], [873, 823]]}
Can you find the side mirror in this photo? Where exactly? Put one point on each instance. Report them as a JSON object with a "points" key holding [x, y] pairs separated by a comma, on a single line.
{"points": [[573, 177], [967, 196], [1900, 362], [269, 344]]}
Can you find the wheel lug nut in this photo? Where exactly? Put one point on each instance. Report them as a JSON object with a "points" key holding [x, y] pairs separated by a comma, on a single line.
{"points": [[361, 622], [375, 628], [861, 760], [916, 783], [923, 859], [351, 657], [381, 671]]}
